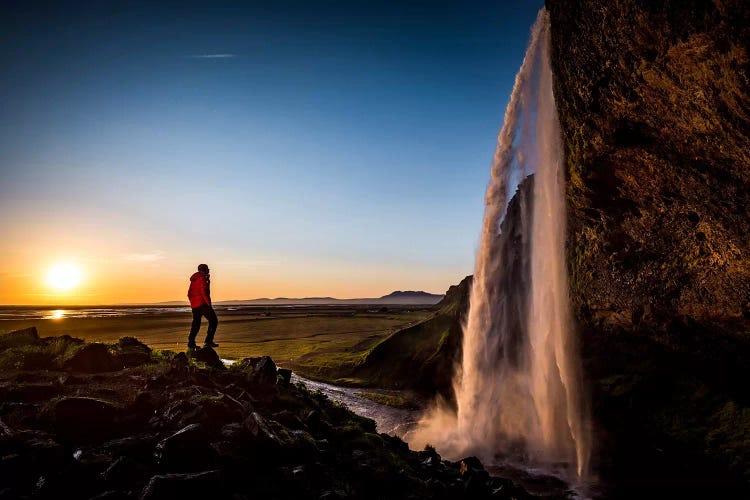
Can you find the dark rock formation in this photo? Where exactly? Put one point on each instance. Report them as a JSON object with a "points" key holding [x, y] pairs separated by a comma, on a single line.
{"points": [[83, 419], [130, 351], [654, 104], [421, 357], [197, 485], [93, 358], [208, 356], [260, 369], [172, 428], [19, 338]]}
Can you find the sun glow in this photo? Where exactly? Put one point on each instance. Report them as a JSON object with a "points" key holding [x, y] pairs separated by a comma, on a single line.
{"points": [[56, 314], [63, 276]]}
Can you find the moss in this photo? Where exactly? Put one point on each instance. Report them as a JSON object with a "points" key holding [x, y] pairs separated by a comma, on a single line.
{"points": [[394, 400], [45, 354], [729, 436]]}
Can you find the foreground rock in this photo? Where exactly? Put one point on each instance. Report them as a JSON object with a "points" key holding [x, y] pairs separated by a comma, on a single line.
{"points": [[93, 358], [176, 427]]}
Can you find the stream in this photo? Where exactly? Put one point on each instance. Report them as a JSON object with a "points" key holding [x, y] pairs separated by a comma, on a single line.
{"points": [[398, 422], [389, 420]]}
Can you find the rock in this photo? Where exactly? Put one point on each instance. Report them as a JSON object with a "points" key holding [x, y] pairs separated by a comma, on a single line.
{"points": [[284, 376], [82, 419], [222, 409], [93, 358], [180, 362], [233, 431], [188, 446], [208, 356], [261, 370], [43, 453], [123, 471], [30, 393], [184, 412], [19, 338], [143, 407], [111, 495], [183, 486], [132, 352], [470, 465], [288, 419], [260, 429], [475, 477]]}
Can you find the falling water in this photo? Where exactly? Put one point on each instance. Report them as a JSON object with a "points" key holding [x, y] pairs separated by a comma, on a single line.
{"points": [[518, 388]]}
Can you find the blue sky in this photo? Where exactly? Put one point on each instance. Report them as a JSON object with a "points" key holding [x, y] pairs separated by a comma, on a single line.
{"points": [[301, 148]]}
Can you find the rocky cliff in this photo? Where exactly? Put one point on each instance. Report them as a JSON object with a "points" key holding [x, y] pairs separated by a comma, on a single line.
{"points": [[90, 420], [654, 103]]}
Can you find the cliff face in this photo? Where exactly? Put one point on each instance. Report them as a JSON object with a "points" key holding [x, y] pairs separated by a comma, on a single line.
{"points": [[654, 103]]}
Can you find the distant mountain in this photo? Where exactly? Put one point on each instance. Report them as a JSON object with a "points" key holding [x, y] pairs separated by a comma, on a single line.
{"points": [[395, 298], [410, 297]]}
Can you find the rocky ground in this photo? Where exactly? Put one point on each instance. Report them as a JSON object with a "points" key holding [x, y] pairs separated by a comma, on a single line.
{"points": [[88, 420]]}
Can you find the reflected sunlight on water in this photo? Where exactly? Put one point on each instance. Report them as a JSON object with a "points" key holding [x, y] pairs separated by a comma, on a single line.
{"points": [[56, 314]]}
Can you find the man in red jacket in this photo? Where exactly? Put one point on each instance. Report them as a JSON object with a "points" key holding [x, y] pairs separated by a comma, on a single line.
{"points": [[199, 294]]}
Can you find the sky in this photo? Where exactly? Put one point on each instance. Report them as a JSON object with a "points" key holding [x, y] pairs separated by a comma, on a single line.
{"points": [[300, 148]]}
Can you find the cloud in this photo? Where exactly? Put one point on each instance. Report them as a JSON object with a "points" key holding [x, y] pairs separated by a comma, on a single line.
{"points": [[145, 257], [214, 56]]}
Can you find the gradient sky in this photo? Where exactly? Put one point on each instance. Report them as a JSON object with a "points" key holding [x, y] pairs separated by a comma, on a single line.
{"points": [[299, 148]]}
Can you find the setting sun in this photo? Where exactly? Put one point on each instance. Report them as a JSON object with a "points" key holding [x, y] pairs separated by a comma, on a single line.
{"points": [[63, 276]]}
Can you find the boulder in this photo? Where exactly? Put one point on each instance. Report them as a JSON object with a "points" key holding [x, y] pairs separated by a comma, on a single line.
{"points": [[261, 430], [205, 484], [19, 338], [221, 409], [138, 446], [183, 412], [93, 358], [123, 471], [132, 352], [261, 370], [284, 376], [143, 407], [82, 419], [187, 447], [475, 478], [179, 362], [208, 356], [470, 466], [30, 393]]}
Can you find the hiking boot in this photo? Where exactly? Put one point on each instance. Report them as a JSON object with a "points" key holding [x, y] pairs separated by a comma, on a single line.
{"points": [[210, 344]]}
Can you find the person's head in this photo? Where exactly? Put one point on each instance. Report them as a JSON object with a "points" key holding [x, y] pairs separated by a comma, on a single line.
{"points": [[203, 268]]}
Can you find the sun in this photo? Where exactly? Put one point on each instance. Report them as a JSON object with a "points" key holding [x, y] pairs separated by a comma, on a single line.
{"points": [[63, 276]]}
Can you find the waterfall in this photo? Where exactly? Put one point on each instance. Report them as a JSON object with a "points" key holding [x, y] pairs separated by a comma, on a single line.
{"points": [[518, 388]]}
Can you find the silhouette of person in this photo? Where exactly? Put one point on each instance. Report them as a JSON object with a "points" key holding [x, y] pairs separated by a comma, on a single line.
{"points": [[199, 294]]}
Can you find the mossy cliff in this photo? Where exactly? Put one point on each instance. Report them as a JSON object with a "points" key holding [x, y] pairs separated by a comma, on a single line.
{"points": [[654, 104]]}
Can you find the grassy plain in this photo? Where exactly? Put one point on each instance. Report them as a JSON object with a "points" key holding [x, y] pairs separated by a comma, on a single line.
{"points": [[324, 343]]}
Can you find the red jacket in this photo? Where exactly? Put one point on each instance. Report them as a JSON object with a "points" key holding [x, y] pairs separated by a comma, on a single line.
{"points": [[199, 293]]}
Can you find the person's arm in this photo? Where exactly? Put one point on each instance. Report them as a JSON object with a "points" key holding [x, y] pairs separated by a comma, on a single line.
{"points": [[206, 297]]}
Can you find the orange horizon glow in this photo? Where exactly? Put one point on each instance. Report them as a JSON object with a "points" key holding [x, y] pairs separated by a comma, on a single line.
{"points": [[90, 282]]}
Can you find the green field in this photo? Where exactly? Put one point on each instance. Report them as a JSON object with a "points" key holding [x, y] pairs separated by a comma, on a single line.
{"points": [[320, 343]]}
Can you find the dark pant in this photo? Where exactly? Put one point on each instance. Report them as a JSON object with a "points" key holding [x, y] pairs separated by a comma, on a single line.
{"points": [[213, 322]]}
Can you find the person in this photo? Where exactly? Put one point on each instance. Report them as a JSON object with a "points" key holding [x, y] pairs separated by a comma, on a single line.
{"points": [[199, 294]]}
